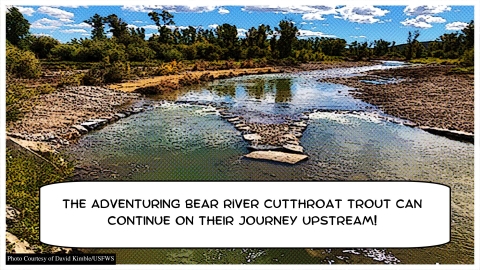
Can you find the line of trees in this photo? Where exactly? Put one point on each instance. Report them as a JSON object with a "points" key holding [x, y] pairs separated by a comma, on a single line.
{"points": [[223, 43]]}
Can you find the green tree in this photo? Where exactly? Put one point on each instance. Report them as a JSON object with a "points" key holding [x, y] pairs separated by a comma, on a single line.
{"points": [[410, 48], [228, 40], [42, 46], [98, 28], [118, 27], [17, 26], [380, 47], [162, 20], [469, 33], [288, 35]]}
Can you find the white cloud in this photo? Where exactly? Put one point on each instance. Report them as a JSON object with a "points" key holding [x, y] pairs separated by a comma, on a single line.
{"points": [[79, 25], [324, 10], [57, 13], [361, 14], [138, 21], [425, 10], [223, 11], [132, 26], [303, 23], [26, 11], [423, 21], [313, 17], [455, 26], [42, 35], [213, 25], [150, 26], [46, 24], [309, 33], [241, 32], [72, 31], [173, 9], [358, 37]]}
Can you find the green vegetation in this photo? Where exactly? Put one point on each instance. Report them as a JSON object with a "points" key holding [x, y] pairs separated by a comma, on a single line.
{"points": [[26, 173], [275, 45]]}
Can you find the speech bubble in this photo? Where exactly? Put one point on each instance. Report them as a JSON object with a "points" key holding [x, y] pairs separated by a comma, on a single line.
{"points": [[363, 214]]}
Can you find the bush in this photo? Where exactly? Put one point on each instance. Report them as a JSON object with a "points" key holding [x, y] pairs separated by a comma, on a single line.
{"points": [[172, 54], [468, 58], [438, 54], [106, 72], [45, 89], [140, 52], [15, 97], [64, 52], [70, 80], [97, 50], [43, 45], [25, 174], [22, 64]]}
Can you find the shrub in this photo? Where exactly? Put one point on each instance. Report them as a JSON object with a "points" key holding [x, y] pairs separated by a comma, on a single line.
{"points": [[106, 72], [468, 58], [22, 64], [25, 174], [15, 97], [70, 80], [64, 52], [43, 45], [140, 52], [45, 89], [172, 54]]}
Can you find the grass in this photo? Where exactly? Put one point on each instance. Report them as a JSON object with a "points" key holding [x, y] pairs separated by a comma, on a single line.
{"points": [[433, 60], [25, 175]]}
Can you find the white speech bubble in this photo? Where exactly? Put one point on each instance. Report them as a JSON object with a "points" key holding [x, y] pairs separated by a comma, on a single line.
{"points": [[310, 214]]}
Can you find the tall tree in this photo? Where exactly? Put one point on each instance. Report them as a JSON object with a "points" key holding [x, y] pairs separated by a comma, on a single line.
{"points": [[227, 38], [469, 35], [18, 27], [412, 43], [288, 35], [118, 27], [98, 29], [162, 20]]}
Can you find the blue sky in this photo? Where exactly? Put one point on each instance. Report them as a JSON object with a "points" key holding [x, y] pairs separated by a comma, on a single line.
{"points": [[360, 23]]}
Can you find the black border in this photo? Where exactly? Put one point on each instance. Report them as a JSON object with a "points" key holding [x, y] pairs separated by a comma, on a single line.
{"points": [[296, 181]]}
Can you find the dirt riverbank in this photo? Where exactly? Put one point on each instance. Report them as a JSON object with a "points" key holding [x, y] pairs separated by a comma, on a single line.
{"points": [[427, 95]]}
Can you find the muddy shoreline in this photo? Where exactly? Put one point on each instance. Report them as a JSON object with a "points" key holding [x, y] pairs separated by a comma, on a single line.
{"points": [[428, 95]]}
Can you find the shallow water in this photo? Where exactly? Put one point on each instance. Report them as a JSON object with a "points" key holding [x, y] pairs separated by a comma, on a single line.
{"points": [[183, 142]]}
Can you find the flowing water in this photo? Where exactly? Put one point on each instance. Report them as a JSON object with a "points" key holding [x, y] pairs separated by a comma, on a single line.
{"points": [[174, 141]]}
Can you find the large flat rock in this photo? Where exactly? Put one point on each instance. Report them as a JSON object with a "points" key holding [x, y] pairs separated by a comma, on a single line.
{"points": [[277, 156]]}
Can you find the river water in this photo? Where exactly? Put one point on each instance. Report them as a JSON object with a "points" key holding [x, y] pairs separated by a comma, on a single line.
{"points": [[173, 141]]}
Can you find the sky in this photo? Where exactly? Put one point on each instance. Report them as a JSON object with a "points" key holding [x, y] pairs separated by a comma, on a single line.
{"points": [[352, 23]]}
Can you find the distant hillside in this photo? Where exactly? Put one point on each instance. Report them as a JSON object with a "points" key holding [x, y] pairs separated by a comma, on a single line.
{"points": [[424, 43]]}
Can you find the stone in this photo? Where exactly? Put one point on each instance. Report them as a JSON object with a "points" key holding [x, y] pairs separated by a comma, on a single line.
{"points": [[89, 125], [100, 121], [300, 124], [233, 119], [252, 137], [264, 147], [277, 156], [120, 115], [244, 128], [80, 129], [293, 148]]}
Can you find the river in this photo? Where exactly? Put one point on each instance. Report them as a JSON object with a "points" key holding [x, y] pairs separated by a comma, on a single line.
{"points": [[346, 139]]}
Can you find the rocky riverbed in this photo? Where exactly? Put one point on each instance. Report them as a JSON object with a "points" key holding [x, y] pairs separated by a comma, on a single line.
{"points": [[427, 95], [69, 112]]}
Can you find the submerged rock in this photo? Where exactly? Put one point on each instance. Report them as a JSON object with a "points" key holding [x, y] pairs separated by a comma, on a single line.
{"points": [[277, 156]]}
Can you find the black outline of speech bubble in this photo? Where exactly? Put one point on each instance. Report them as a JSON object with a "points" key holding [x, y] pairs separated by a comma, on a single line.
{"points": [[208, 247]]}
